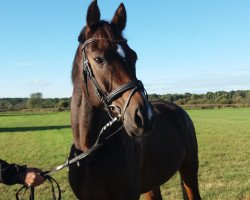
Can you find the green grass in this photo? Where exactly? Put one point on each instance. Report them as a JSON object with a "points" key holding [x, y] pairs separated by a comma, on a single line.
{"points": [[36, 139], [224, 149], [44, 139]]}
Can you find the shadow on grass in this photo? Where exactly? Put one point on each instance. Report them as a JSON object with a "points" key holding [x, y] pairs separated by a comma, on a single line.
{"points": [[22, 114], [35, 128]]}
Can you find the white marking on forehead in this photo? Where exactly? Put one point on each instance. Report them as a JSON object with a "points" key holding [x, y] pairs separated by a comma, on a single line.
{"points": [[120, 51]]}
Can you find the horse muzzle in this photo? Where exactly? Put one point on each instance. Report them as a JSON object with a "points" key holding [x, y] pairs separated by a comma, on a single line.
{"points": [[139, 120]]}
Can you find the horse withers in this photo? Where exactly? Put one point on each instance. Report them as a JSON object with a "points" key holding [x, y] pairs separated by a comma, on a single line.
{"points": [[156, 140]]}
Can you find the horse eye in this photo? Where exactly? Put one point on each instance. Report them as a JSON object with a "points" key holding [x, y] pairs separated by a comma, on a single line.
{"points": [[98, 60]]}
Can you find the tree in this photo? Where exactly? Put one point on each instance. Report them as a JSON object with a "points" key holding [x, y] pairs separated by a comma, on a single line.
{"points": [[153, 97], [62, 105], [35, 100], [248, 96], [5, 105]]}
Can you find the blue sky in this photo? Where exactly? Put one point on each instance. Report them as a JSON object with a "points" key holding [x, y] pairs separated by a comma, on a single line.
{"points": [[183, 46]]}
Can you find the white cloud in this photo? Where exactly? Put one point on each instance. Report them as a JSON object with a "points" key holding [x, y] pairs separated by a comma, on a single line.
{"points": [[39, 83], [36, 81], [200, 83], [25, 64]]}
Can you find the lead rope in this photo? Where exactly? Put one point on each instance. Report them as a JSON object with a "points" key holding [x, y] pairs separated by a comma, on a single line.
{"points": [[32, 189], [53, 182]]}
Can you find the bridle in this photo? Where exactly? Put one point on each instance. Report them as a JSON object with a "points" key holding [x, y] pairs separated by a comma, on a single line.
{"points": [[107, 99]]}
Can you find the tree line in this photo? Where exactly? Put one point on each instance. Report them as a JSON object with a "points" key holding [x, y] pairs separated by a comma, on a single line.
{"points": [[238, 98], [35, 101], [208, 100]]}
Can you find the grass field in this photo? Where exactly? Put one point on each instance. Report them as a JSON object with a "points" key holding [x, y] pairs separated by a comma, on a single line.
{"points": [[44, 139]]}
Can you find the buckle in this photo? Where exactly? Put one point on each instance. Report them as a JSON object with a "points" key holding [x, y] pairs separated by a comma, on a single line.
{"points": [[114, 111]]}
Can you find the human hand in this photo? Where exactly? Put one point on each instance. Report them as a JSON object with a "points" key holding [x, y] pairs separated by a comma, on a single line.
{"points": [[33, 177]]}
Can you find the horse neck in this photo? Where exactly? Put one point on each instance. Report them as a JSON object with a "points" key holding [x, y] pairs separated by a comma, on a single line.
{"points": [[86, 120]]}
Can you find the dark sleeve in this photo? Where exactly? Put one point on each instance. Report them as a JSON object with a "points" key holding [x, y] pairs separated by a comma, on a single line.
{"points": [[11, 174]]}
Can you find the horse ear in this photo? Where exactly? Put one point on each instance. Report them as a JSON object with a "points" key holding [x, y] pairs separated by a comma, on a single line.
{"points": [[93, 14], [120, 18]]}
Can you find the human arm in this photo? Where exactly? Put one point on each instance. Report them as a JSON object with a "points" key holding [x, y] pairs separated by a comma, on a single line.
{"points": [[11, 174]]}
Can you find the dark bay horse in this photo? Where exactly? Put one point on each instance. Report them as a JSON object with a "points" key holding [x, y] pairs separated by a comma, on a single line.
{"points": [[157, 139]]}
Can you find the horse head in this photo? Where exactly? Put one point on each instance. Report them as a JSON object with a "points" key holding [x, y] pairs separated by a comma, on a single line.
{"points": [[109, 74]]}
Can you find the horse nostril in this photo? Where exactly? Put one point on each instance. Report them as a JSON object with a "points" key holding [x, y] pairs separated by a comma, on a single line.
{"points": [[151, 123], [139, 118], [144, 120]]}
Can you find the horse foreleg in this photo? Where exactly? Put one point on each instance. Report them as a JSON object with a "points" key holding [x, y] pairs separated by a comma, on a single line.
{"points": [[190, 165], [154, 194], [189, 182]]}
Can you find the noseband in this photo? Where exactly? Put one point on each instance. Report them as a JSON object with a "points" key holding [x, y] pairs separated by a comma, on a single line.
{"points": [[107, 99]]}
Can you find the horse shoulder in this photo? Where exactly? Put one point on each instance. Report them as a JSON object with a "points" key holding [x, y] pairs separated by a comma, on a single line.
{"points": [[164, 149]]}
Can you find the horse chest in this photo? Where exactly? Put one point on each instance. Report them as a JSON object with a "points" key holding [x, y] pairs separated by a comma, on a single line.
{"points": [[104, 176]]}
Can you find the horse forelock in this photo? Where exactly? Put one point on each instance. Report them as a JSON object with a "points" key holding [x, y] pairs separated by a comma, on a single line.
{"points": [[101, 29], [106, 33]]}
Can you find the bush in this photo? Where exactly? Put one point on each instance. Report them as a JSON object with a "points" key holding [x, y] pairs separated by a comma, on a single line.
{"points": [[62, 105]]}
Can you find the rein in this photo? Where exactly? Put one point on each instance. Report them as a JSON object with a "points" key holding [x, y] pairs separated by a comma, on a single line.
{"points": [[107, 99], [47, 174]]}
